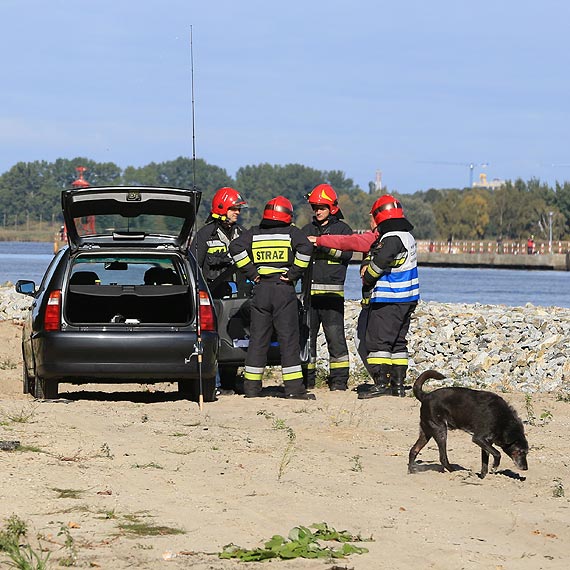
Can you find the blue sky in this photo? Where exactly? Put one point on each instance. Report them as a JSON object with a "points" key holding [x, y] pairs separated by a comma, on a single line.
{"points": [[418, 90]]}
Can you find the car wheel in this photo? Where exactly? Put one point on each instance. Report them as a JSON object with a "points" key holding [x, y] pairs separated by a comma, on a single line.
{"points": [[28, 382], [190, 389], [45, 390]]}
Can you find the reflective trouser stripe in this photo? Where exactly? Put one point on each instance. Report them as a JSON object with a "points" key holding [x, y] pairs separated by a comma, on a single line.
{"points": [[379, 357], [292, 373], [253, 373], [343, 364], [400, 359], [339, 363]]}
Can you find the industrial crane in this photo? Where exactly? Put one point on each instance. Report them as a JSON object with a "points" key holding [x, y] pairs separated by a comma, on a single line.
{"points": [[471, 166]]}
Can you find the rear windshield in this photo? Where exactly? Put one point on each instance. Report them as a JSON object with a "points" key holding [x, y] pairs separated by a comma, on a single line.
{"points": [[115, 223], [127, 270]]}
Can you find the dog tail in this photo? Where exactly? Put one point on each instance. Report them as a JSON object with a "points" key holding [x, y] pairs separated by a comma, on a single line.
{"points": [[423, 377]]}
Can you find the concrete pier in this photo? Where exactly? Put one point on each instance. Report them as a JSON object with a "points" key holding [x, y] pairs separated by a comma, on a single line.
{"points": [[545, 261], [548, 261]]}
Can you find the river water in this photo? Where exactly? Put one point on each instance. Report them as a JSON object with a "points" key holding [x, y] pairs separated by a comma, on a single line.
{"points": [[28, 260]]}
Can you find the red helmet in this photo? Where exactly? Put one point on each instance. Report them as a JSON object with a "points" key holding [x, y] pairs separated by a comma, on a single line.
{"points": [[324, 195], [224, 199], [385, 208], [279, 209]]}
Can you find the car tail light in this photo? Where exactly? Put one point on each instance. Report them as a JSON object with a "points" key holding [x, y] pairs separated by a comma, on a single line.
{"points": [[207, 318], [52, 319]]}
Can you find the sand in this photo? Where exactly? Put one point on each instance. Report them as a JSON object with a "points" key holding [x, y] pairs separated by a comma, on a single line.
{"points": [[241, 470]]}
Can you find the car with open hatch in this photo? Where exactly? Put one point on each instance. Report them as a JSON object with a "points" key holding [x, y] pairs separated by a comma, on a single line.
{"points": [[123, 301]]}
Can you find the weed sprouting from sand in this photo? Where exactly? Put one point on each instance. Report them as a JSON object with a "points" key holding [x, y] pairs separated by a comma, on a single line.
{"points": [[68, 493], [150, 465], [70, 558], [529, 407], [558, 490], [108, 514], [15, 545], [25, 415], [356, 463], [105, 451], [29, 449], [134, 526], [289, 450], [546, 417]]}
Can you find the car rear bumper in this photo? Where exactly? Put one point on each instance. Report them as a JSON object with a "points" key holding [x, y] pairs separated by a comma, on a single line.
{"points": [[123, 356]]}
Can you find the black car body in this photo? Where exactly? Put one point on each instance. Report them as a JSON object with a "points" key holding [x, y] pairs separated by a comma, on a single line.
{"points": [[120, 303]]}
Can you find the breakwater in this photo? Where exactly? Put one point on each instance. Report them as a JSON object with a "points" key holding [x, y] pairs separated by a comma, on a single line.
{"points": [[500, 348]]}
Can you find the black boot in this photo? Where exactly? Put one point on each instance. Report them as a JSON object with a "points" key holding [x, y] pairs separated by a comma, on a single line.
{"points": [[252, 388], [381, 384], [397, 380], [337, 383]]}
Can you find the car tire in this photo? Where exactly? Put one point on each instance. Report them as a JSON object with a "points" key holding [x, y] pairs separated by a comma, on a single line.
{"points": [[190, 389], [28, 382], [45, 390]]}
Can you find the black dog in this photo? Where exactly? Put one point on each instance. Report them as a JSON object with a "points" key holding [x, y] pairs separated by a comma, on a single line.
{"points": [[485, 415]]}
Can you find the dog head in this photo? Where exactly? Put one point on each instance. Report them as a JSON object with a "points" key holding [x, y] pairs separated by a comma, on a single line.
{"points": [[517, 451]]}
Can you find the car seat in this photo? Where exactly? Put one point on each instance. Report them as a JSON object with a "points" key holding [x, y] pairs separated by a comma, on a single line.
{"points": [[161, 276], [84, 278]]}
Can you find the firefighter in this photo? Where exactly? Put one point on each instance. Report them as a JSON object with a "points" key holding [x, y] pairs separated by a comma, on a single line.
{"points": [[391, 281], [212, 241], [391, 287], [327, 288], [274, 255], [211, 245]]}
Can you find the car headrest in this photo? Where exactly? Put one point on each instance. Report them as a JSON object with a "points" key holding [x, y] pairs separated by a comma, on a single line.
{"points": [[84, 278]]}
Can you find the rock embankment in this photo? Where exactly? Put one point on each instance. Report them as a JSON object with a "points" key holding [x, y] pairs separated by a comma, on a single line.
{"points": [[523, 349]]}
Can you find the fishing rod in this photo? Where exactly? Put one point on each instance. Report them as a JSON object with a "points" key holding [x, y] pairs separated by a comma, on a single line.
{"points": [[198, 346]]}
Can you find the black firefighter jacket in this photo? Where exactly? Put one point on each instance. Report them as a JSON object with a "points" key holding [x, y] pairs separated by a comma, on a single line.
{"points": [[329, 265]]}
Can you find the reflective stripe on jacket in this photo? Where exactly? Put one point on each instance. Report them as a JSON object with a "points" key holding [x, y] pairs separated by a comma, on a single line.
{"points": [[329, 263], [272, 251], [397, 283]]}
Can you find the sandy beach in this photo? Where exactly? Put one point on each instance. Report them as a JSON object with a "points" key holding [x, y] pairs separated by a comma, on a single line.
{"points": [[134, 477]]}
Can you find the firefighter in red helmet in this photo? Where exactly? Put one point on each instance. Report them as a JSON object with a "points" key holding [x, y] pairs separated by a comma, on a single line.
{"points": [[328, 274], [212, 241], [211, 245], [390, 289], [274, 255]]}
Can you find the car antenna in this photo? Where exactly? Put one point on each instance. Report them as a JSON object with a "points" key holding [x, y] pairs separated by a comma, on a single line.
{"points": [[198, 347]]}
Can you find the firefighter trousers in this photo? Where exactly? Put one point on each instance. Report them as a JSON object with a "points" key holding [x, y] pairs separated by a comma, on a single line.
{"points": [[386, 342], [328, 311], [274, 306]]}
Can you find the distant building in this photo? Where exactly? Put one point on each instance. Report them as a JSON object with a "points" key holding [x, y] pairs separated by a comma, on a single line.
{"points": [[494, 184], [378, 181]]}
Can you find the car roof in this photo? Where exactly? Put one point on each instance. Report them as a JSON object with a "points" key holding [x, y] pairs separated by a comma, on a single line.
{"points": [[121, 215]]}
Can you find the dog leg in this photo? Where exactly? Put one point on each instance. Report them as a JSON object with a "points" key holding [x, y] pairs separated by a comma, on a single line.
{"points": [[440, 436], [486, 450], [416, 448], [484, 463]]}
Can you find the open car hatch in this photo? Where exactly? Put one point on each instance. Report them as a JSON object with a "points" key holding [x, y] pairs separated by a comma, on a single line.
{"points": [[122, 214]]}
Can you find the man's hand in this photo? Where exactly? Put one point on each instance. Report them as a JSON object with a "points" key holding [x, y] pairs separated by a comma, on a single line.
{"points": [[284, 277], [312, 239]]}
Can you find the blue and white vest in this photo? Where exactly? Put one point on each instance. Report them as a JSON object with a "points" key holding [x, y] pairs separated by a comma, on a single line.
{"points": [[399, 282]]}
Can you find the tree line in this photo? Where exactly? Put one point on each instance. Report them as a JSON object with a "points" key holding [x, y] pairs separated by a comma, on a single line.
{"points": [[30, 192]]}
